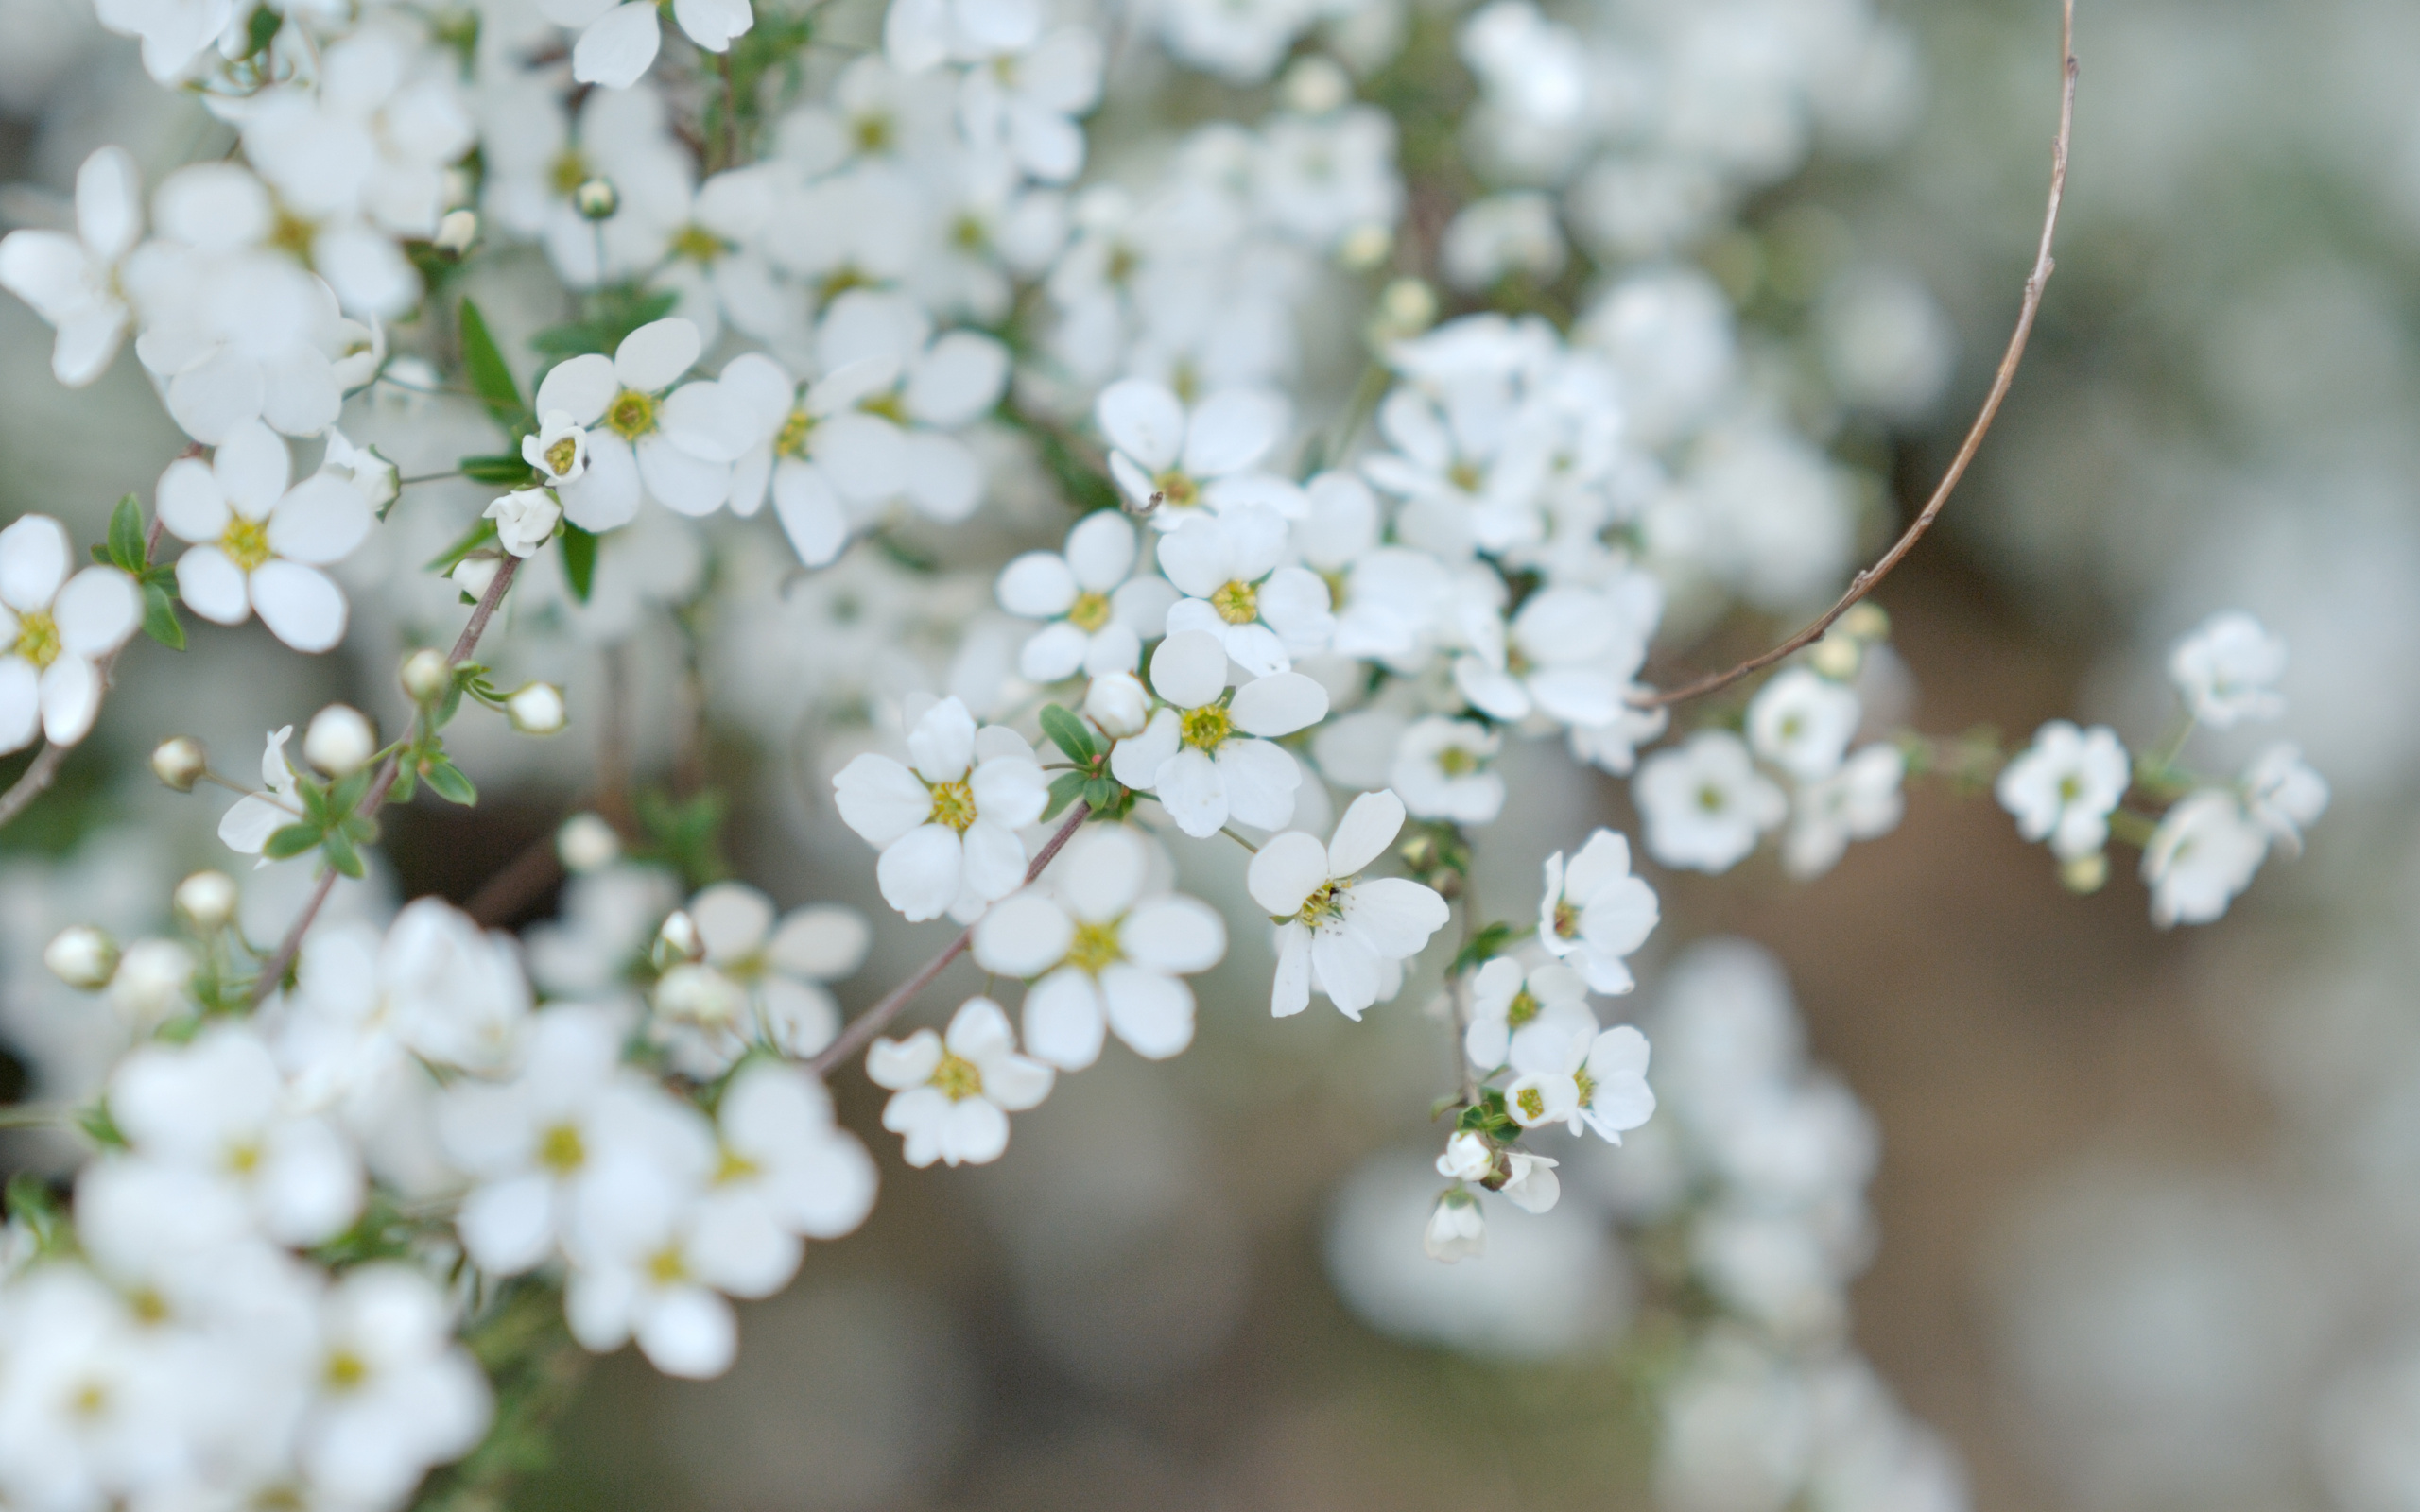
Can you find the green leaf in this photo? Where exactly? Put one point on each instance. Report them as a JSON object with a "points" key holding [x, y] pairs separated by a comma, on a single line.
{"points": [[159, 620], [687, 836], [261, 29], [480, 534], [1064, 789], [348, 794], [1484, 946], [99, 1126], [1100, 793], [407, 781], [126, 534], [32, 1203], [293, 840], [580, 561], [1068, 734], [499, 467], [316, 809], [447, 781], [341, 855], [485, 366]]}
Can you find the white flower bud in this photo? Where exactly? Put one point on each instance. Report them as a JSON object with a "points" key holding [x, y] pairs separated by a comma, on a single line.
{"points": [[150, 984], [1470, 1156], [1118, 704], [678, 941], [700, 994], [1364, 248], [81, 956], [179, 762], [1406, 307], [207, 900], [524, 520], [1457, 1229], [2084, 873], [1865, 621], [1315, 85], [426, 676], [1837, 656], [597, 199], [339, 741], [456, 232], [536, 709], [586, 843], [473, 574]]}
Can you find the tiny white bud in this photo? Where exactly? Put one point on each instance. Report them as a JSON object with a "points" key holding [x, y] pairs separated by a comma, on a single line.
{"points": [[2086, 874], [700, 994], [1837, 656], [473, 574], [339, 741], [1364, 248], [1866, 620], [524, 520], [456, 232], [427, 674], [597, 199], [1457, 1228], [207, 900], [678, 941], [1315, 85], [81, 956], [150, 984], [1406, 307], [1117, 702], [536, 708], [587, 843], [1470, 1156], [179, 762]]}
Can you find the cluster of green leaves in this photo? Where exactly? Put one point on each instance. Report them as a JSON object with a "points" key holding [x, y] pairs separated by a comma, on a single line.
{"points": [[128, 551], [33, 1204], [684, 834], [335, 821], [1089, 749]]}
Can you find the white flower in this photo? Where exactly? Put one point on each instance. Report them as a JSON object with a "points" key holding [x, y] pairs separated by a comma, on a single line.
{"points": [[1264, 614], [88, 1407], [216, 1106], [1200, 755], [621, 402], [361, 466], [259, 544], [1022, 103], [252, 819], [618, 42], [1596, 911], [72, 280], [953, 1096], [1532, 1184], [174, 32], [1506, 1001], [369, 1010], [822, 459], [1457, 1229], [153, 983], [1442, 770], [1584, 1079], [757, 983], [1470, 1156], [2227, 670], [1704, 803], [1569, 654], [2062, 787], [524, 520], [2204, 853], [947, 827], [54, 633], [395, 1394], [559, 450], [2284, 795], [787, 1172], [661, 1283], [931, 385], [1335, 931], [1802, 722], [1100, 953], [1099, 614], [1178, 464], [1857, 802]]}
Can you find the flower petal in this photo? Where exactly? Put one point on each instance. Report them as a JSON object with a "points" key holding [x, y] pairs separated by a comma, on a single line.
{"points": [[1142, 419], [1232, 430], [880, 800], [1286, 871], [20, 702], [1278, 705], [579, 386], [616, 49], [919, 873], [71, 696], [189, 501], [809, 511], [33, 562], [1063, 1022], [1369, 826], [1194, 793], [253, 466], [213, 586], [1174, 935], [606, 495], [1152, 1013], [1190, 669], [97, 609], [320, 521], [302, 606], [681, 481], [1037, 586], [656, 354], [1023, 936]]}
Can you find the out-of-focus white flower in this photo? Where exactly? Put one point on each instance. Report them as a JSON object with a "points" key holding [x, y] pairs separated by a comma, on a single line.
{"points": [[1457, 1229], [1098, 613], [258, 545], [586, 843], [252, 819], [1336, 931], [559, 450], [72, 280], [1802, 722], [1506, 1001], [1704, 803], [1860, 801], [370, 1009], [2204, 852], [1442, 771], [787, 1171], [54, 633], [618, 42], [811, 447], [1179, 463], [756, 983], [1588, 1079], [1209, 757], [1597, 912], [2063, 786], [953, 1095], [81, 956], [1229, 565], [1532, 1184], [395, 1394], [524, 520], [1501, 236], [1570, 655], [2284, 795], [948, 826], [2228, 668], [1100, 953]]}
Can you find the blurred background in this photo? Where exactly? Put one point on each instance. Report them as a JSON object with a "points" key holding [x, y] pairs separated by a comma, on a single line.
{"points": [[2142, 1229]]}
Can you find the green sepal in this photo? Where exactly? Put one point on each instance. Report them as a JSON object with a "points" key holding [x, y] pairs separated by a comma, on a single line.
{"points": [[580, 561], [1064, 789], [502, 467], [99, 1126], [485, 368], [407, 783], [292, 840], [32, 1203], [341, 853], [1069, 733], [159, 620], [261, 29], [126, 534], [687, 836], [447, 781]]}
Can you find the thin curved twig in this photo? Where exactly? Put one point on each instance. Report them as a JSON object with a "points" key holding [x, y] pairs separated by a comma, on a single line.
{"points": [[871, 1022], [1865, 582]]}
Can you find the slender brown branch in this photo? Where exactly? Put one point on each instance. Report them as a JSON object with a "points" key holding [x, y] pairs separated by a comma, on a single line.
{"points": [[279, 964], [871, 1022], [1867, 580]]}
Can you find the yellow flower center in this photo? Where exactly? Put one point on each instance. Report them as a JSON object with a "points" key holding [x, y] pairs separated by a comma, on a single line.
{"points": [[1465, 476], [1237, 603], [1176, 489], [1334, 582], [1094, 947], [91, 1400], [245, 541], [1120, 265], [1532, 1102], [148, 1306], [346, 1370], [568, 172], [561, 455], [2070, 786], [733, 1166], [563, 1151], [1206, 728], [1710, 799], [953, 805], [292, 235], [698, 244], [1457, 761], [958, 1078], [891, 406], [1566, 919], [666, 1268], [38, 638], [790, 440], [631, 414], [1521, 1010], [1089, 612], [1587, 1087], [967, 235], [873, 133], [1327, 901], [243, 1159]]}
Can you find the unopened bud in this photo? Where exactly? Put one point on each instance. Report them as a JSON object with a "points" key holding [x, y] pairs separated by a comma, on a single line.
{"points": [[1116, 702], [473, 574], [153, 981], [179, 762], [587, 843], [2084, 873], [1866, 620], [1364, 248], [456, 232], [1315, 85], [1457, 1228], [1837, 656], [536, 709], [1406, 308], [597, 199], [206, 899], [700, 994], [426, 676], [678, 941], [1470, 1156], [83, 957], [339, 741]]}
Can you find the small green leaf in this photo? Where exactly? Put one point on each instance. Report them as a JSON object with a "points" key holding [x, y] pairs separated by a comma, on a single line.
{"points": [[580, 561], [407, 783], [32, 1203], [1484, 946], [1064, 789], [99, 1126], [1100, 793], [1068, 734], [261, 29], [346, 797], [500, 468], [341, 855], [485, 366], [126, 534], [159, 620], [447, 781], [293, 840], [480, 534]]}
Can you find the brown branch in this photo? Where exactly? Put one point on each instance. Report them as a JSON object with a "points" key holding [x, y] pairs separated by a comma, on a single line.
{"points": [[279, 964], [871, 1022], [1867, 580]]}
